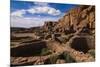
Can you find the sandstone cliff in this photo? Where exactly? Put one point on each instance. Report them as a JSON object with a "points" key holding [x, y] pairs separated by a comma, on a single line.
{"points": [[78, 19]]}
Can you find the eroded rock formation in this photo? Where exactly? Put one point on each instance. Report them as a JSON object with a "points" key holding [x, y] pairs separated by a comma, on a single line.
{"points": [[78, 19]]}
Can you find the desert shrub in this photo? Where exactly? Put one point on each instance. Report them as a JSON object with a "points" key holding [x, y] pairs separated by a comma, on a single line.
{"points": [[45, 51], [53, 59], [66, 56], [92, 52]]}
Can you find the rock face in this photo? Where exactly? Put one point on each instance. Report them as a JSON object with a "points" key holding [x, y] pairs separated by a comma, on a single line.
{"points": [[48, 26], [79, 19]]}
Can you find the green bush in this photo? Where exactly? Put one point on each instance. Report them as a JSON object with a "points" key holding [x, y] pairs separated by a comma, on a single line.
{"points": [[92, 52], [45, 51], [66, 56], [53, 59]]}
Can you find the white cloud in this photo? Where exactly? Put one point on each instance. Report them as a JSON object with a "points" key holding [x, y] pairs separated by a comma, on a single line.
{"points": [[54, 12], [44, 10], [18, 13], [38, 8], [19, 20], [30, 21]]}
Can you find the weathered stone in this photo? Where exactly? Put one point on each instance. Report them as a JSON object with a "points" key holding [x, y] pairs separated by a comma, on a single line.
{"points": [[29, 49], [82, 43], [79, 17]]}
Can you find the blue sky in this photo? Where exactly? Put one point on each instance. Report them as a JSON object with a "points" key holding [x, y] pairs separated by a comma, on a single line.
{"points": [[32, 14]]}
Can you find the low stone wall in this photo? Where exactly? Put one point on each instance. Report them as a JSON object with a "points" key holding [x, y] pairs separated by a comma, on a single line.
{"points": [[29, 49]]}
